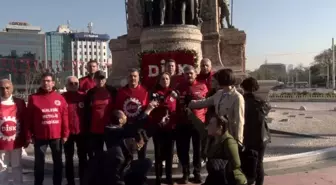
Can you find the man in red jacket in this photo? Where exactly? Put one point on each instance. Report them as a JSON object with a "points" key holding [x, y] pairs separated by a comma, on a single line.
{"points": [[12, 137], [47, 114], [191, 89], [75, 101], [206, 73], [132, 99], [98, 106], [86, 83], [171, 68]]}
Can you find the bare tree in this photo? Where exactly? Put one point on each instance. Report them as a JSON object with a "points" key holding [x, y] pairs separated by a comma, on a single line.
{"points": [[31, 79]]}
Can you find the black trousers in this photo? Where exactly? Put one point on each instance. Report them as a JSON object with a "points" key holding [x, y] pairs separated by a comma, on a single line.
{"points": [[137, 173], [185, 133], [96, 144], [260, 165], [69, 150], [164, 151], [40, 148]]}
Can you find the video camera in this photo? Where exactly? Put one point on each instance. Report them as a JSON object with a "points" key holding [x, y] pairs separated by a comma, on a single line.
{"points": [[157, 97], [141, 135]]}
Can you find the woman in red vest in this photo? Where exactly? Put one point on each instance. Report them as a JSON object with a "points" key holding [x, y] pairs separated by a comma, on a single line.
{"points": [[163, 118]]}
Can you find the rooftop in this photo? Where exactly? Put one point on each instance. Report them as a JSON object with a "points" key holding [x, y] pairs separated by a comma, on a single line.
{"points": [[22, 26]]}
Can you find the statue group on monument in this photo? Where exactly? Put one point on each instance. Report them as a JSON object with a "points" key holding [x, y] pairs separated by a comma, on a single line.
{"points": [[185, 12], [224, 13], [165, 12]]}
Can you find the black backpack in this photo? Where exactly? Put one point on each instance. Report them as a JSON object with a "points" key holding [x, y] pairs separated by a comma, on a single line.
{"points": [[256, 130]]}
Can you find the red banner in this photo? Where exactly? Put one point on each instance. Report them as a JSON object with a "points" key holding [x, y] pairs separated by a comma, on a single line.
{"points": [[152, 64]]}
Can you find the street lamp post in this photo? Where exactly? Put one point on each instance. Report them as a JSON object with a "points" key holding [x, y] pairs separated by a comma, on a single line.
{"points": [[333, 63]]}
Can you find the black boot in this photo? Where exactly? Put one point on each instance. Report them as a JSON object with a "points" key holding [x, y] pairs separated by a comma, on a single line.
{"points": [[158, 172]]}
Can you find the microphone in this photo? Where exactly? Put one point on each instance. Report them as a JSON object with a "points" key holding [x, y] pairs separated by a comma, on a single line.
{"points": [[175, 94]]}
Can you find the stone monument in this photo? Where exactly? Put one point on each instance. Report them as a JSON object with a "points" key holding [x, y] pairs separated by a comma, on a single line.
{"points": [[169, 25]]}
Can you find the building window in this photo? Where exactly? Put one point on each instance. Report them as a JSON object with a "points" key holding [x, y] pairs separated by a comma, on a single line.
{"points": [[75, 46], [104, 54], [95, 46], [85, 53], [90, 53], [104, 47], [95, 53], [90, 46]]}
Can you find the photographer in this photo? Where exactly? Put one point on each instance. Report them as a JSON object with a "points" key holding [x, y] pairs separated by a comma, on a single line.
{"points": [[163, 119], [122, 141]]}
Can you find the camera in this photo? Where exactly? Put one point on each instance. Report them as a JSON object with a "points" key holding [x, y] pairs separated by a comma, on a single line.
{"points": [[157, 97], [141, 135]]}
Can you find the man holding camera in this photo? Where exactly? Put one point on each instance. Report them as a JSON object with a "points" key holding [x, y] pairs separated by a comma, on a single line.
{"points": [[186, 130], [116, 166]]}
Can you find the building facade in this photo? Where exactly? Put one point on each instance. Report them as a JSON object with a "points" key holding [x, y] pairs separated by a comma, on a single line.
{"points": [[274, 71], [59, 53], [88, 46], [20, 42]]}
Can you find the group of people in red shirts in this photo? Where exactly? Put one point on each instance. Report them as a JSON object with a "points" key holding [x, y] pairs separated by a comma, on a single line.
{"points": [[79, 116]]}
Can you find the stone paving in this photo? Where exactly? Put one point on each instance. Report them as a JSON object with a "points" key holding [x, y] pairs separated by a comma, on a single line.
{"points": [[319, 124], [324, 176]]}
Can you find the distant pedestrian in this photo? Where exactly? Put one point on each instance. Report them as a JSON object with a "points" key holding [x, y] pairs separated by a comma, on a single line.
{"points": [[75, 101], [48, 126], [12, 136]]}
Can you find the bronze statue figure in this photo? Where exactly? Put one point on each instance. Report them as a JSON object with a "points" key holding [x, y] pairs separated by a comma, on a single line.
{"points": [[189, 11], [166, 12], [197, 19], [225, 13], [147, 8]]}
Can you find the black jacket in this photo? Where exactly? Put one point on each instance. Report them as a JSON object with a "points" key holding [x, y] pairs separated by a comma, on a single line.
{"points": [[116, 136], [255, 128]]}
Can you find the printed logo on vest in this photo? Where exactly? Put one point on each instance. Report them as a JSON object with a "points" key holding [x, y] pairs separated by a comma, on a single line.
{"points": [[57, 102], [9, 128], [132, 107], [81, 105], [172, 99]]}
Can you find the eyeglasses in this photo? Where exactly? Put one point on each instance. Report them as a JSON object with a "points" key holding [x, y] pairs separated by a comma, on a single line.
{"points": [[2, 88], [73, 83]]}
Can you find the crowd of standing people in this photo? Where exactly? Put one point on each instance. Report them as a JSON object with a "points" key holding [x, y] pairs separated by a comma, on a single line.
{"points": [[205, 109]]}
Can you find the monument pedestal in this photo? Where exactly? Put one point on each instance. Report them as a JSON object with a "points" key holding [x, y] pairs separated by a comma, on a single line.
{"points": [[171, 38], [232, 48]]}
